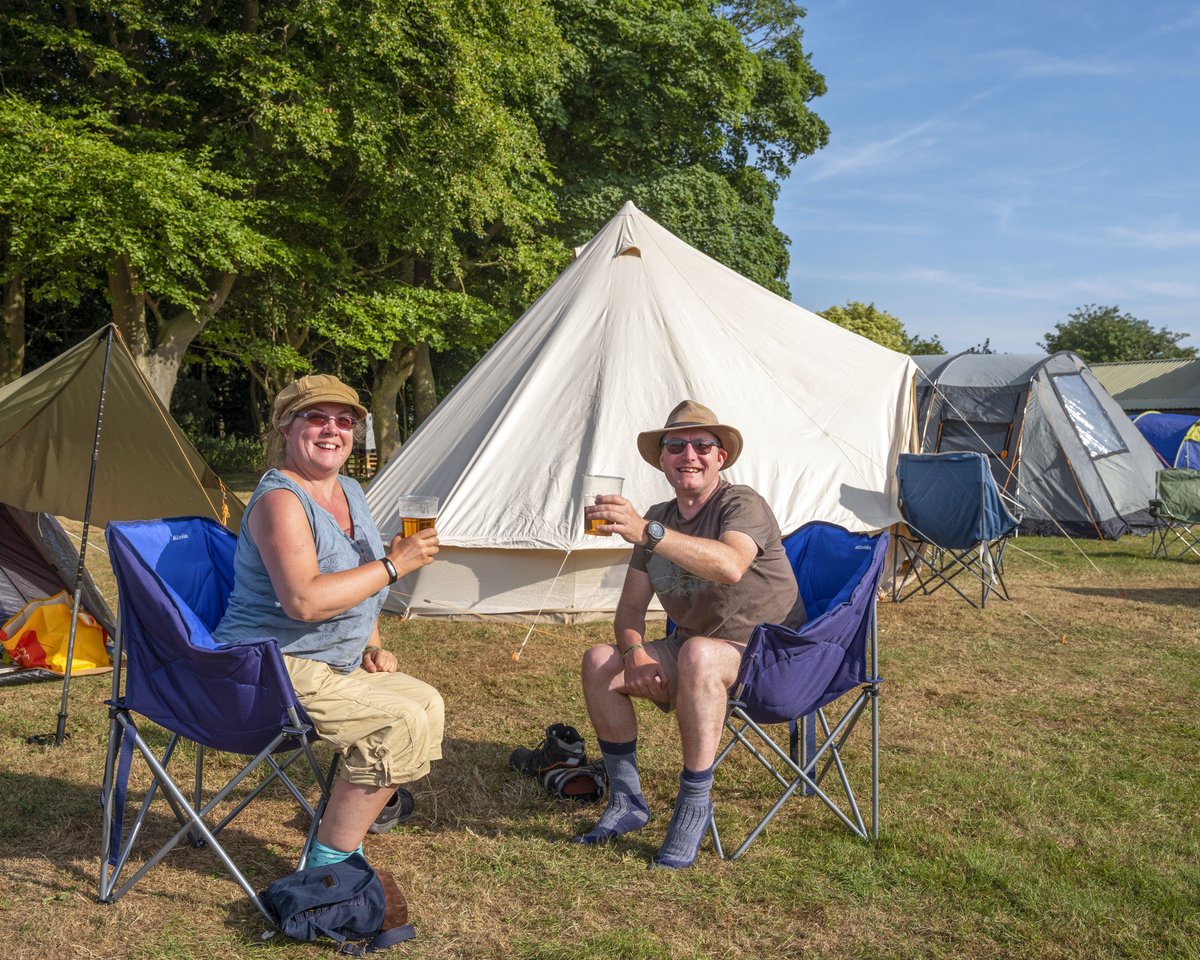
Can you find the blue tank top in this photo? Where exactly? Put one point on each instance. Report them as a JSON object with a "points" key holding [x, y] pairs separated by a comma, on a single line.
{"points": [[254, 612]]}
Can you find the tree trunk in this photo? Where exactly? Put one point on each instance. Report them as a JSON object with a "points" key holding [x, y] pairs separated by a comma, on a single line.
{"points": [[12, 345], [387, 380], [159, 356], [128, 306], [424, 388]]}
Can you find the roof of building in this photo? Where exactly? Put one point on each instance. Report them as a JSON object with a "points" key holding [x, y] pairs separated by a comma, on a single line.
{"points": [[1152, 384]]}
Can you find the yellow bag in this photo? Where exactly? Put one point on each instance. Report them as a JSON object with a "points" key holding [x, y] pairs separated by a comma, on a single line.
{"points": [[39, 634]]}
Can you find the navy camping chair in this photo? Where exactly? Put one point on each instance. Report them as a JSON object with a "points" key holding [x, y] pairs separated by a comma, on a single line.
{"points": [[174, 578], [957, 524], [792, 676]]}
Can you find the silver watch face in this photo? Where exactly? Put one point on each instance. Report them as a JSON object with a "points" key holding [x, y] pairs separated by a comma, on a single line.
{"points": [[655, 530]]}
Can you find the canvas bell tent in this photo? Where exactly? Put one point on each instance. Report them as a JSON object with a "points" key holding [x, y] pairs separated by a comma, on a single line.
{"points": [[1060, 447], [85, 437], [638, 322], [1175, 437]]}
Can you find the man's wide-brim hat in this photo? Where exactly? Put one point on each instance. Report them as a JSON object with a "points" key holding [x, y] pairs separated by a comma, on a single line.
{"points": [[311, 390], [690, 415]]}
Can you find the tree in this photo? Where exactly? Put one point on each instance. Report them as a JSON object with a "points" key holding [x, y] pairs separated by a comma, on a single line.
{"points": [[102, 190], [868, 321], [693, 111], [1105, 335], [359, 142]]}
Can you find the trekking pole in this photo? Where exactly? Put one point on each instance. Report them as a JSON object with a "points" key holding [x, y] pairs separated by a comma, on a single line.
{"points": [[60, 733]]}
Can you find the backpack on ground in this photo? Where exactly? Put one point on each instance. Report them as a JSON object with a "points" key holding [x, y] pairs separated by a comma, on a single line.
{"points": [[350, 902]]}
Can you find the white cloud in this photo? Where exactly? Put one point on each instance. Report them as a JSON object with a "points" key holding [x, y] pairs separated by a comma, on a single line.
{"points": [[833, 163], [1157, 238], [1032, 63]]}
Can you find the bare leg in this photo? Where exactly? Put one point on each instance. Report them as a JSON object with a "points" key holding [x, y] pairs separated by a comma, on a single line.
{"points": [[615, 723], [611, 713], [708, 667], [352, 808]]}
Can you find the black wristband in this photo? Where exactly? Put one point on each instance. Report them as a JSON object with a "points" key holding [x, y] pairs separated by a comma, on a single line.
{"points": [[391, 569]]}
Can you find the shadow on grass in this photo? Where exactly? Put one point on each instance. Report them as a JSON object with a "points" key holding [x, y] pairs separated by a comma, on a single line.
{"points": [[60, 822], [1170, 596]]}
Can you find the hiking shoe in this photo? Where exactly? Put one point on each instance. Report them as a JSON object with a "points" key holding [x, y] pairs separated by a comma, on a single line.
{"points": [[562, 748], [399, 809], [587, 784]]}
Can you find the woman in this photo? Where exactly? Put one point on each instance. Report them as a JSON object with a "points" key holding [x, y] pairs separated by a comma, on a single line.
{"points": [[310, 571]]}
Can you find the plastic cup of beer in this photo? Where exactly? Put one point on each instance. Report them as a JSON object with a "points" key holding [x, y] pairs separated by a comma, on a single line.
{"points": [[596, 485], [416, 513]]}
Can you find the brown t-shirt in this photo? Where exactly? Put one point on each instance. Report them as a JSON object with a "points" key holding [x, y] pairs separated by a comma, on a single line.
{"points": [[765, 594]]}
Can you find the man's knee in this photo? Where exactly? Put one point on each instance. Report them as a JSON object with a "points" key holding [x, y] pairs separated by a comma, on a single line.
{"points": [[600, 662], [702, 658]]}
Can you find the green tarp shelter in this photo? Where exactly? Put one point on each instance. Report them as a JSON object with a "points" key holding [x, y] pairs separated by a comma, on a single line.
{"points": [[84, 436]]}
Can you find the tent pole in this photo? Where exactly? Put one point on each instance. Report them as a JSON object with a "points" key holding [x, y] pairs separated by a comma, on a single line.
{"points": [[61, 731]]}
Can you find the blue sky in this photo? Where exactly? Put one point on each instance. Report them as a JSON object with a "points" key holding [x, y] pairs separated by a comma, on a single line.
{"points": [[993, 167]]}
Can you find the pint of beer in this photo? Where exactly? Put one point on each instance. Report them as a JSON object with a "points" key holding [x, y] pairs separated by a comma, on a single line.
{"points": [[416, 513], [595, 485]]}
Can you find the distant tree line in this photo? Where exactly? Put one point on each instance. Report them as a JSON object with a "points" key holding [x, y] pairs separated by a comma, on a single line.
{"points": [[1097, 334], [1106, 335], [251, 189]]}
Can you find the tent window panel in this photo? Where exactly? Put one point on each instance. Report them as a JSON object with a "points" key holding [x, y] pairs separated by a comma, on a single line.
{"points": [[1096, 431], [956, 436]]}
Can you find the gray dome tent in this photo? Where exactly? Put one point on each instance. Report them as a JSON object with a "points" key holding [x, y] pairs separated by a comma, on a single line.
{"points": [[1058, 443]]}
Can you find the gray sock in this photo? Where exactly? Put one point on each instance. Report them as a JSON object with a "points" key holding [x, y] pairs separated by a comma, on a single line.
{"points": [[626, 810], [693, 807]]}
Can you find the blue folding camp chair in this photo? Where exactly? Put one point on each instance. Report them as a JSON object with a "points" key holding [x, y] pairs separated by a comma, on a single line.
{"points": [[957, 523], [791, 676], [174, 578]]}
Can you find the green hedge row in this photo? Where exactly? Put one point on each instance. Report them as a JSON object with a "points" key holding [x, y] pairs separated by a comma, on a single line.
{"points": [[231, 454]]}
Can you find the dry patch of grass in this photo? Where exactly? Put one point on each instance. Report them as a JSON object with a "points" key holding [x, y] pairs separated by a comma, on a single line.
{"points": [[1038, 800]]}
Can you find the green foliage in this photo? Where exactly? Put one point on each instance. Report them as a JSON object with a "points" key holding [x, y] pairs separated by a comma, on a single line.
{"points": [[383, 174], [883, 328], [693, 112], [1104, 335], [74, 200], [230, 455]]}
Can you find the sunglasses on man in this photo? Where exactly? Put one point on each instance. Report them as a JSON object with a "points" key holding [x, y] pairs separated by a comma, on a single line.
{"points": [[675, 446]]}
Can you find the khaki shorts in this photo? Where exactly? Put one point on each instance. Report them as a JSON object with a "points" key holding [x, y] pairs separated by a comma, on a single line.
{"points": [[387, 726]]}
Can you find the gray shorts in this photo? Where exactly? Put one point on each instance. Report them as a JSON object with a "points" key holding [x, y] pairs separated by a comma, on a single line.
{"points": [[666, 652]]}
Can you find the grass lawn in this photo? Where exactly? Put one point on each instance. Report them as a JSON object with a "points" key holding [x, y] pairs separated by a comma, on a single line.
{"points": [[1039, 800]]}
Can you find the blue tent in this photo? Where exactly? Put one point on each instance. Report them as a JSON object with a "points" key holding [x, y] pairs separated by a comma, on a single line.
{"points": [[1175, 437]]}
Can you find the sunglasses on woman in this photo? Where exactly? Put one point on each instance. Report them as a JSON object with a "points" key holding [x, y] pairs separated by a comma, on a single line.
{"points": [[343, 421]]}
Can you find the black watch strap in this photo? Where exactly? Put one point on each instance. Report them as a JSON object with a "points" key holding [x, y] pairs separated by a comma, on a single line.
{"points": [[391, 569]]}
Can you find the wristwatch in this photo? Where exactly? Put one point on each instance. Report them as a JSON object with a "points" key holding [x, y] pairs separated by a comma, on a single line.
{"points": [[655, 531]]}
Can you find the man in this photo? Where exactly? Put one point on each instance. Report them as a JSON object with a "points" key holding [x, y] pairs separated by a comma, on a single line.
{"points": [[713, 557]]}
